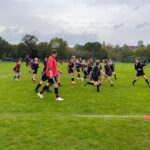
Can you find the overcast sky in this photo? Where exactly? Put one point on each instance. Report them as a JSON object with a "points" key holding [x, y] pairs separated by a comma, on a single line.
{"points": [[77, 21]]}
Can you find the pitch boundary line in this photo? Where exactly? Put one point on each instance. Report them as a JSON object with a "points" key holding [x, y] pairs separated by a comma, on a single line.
{"points": [[110, 116]]}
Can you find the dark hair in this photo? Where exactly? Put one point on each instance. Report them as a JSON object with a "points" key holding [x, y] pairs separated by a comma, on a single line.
{"points": [[105, 61], [54, 51]]}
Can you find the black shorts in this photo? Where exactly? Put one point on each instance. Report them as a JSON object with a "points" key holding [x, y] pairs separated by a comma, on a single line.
{"points": [[34, 71], [109, 74], [71, 70], [44, 77], [112, 70], [99, 74], [52, 80], [95, 78], [140, 73]]}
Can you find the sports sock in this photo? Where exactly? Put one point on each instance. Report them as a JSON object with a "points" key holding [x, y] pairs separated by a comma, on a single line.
{"points": [[72, 78], [59, 84], [147, 81], [44, 89], [90, 83], [115, 76], [98, 87], [38, 86], [134, 81], [56, 92], [14, 77], [79, 76]]}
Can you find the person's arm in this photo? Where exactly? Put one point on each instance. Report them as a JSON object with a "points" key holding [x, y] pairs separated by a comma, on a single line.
{"points": [[59, 71], [103, 73], [135, 67]]}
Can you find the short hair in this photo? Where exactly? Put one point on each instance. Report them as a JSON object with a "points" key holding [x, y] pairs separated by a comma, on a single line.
{"points": [[54, 51], [97, 62], [105, 61]]}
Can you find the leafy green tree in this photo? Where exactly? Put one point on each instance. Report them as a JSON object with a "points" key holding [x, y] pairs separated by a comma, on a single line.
{"points": [[5, 49], [31, 41], [60, 45]]}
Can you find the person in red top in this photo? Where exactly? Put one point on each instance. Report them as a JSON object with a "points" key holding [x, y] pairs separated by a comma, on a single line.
{"points": [[52, 74], [16, 69]]}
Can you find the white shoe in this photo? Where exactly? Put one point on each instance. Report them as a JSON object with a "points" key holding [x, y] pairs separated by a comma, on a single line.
{"points": [[78, 78], [40, 95], [81, 79], [59, 99]]}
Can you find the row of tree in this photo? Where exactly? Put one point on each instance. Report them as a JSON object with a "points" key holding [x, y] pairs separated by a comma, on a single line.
{"points": [[30, 46]]}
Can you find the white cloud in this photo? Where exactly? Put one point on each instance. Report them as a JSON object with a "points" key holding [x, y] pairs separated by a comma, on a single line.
{"points": [[115, 21]]}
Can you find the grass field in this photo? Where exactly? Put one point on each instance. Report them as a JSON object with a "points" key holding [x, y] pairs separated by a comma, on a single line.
{"points": [[27, 122]]}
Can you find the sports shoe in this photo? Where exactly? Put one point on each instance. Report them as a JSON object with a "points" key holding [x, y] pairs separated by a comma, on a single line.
{"points": [[36, 90], [85, 84], [59, 99], [112, 85], [81, 79], [40, 95], [74, 82]]}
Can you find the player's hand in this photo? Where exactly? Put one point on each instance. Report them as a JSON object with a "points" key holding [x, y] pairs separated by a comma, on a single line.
{"points": [[60, 72], [50, 77]]}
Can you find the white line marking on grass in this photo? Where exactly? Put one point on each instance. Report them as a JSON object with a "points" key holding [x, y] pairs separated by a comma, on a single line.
{"points": [[110, 116]]}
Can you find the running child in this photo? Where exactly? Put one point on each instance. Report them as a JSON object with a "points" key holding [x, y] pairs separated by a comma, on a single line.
{"points": [[71, 68], [108, 72], [31, 62], [43, 78], [35, 68], [139, 67], [95, 73], [84, 69], [16, 69], [78, 66], [112, 66]]}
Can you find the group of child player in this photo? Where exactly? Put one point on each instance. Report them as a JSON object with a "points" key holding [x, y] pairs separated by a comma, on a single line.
{"points": [[92, 71]]}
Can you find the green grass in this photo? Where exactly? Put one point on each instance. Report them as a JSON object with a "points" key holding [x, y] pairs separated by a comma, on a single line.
{"points": [[26, 122]]}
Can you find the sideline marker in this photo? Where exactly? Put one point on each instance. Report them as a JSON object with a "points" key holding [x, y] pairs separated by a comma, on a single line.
{"points": [[147, 116]]}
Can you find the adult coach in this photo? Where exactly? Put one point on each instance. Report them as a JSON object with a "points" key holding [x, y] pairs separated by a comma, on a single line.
{"points": [[52, 75]]}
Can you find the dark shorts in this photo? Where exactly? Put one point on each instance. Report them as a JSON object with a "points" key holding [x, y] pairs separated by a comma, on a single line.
{"points": [[112, 70], [140, 73], [53, 80], [109, 74], [99, 74], [95, 78], [34, 71], [71, 70], [44, 77]]}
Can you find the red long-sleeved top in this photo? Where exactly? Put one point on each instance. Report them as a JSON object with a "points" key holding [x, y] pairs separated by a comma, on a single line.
{"points": [[51, 65]]}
